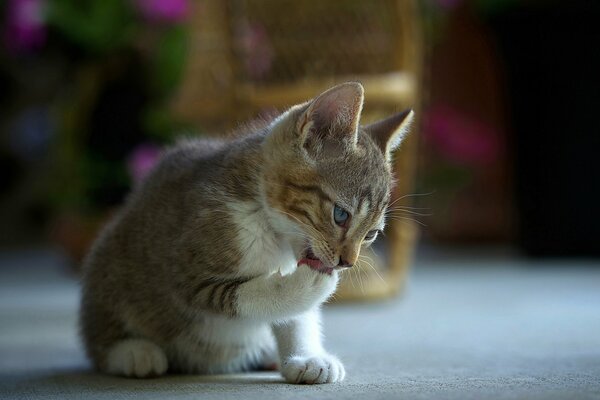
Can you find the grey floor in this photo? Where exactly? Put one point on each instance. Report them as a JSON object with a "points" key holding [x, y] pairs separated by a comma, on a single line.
{"points": [[472, 325]]}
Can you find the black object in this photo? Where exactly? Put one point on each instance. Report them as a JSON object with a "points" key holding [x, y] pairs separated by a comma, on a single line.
{"points": [[115, 128], [553, 64]]}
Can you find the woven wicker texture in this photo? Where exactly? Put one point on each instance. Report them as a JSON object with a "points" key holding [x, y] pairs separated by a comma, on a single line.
{"points": [[248, 56], [282, 41]]}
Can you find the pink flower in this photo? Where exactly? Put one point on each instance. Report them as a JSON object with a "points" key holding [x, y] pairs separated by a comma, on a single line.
{"points": [[170, 11], [255, 46], [460, 138], [141, 161], [25, 28]]}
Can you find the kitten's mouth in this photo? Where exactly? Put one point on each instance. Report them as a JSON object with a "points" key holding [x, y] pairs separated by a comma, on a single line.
{"points": [[314, 262]]}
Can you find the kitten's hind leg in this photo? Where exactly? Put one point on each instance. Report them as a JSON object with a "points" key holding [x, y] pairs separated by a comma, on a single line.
{"points": [[269, 360], [138, 358]]}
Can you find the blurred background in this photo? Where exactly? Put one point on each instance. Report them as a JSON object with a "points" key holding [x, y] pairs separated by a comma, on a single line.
{"points": [[506, 91], [498, 184]]}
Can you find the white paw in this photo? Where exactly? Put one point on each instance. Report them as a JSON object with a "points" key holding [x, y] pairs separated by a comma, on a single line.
{"points": [[136, 358], [317, 285], [317, 369]]}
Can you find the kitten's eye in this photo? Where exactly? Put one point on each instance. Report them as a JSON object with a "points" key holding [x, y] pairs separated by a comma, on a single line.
{"points": [[340, 216], [371, 235]]}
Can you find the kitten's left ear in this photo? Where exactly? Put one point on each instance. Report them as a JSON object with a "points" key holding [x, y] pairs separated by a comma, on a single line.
{"points": [[389, 133]]}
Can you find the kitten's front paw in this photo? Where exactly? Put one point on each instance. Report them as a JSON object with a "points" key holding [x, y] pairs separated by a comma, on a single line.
{"points": [[313, 283], [136, 358], [311, 370]]}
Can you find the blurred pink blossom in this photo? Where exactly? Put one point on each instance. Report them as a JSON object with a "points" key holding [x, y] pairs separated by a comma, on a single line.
{"points": [[256, 49], [141, 161], [25, 28], [460, 138], [170, 11]]}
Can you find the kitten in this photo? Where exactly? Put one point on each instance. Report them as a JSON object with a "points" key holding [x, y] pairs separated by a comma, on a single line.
{"points": [[221, 259]]}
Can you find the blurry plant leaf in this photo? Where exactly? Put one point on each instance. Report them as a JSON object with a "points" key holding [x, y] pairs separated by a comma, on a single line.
{"points": [[68, 191], [170, 60], [97, 26], [106, 181], [158, 123], [163, 126]]}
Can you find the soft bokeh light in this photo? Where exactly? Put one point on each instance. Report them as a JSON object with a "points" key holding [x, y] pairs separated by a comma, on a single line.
{"points": [[488, 264]]}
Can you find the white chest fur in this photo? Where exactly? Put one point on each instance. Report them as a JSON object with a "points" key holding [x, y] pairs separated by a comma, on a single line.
{"points": [[264, 250]]}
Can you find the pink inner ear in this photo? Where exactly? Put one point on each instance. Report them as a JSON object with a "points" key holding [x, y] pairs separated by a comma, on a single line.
{"points": [[389, 132], [332, 108], [337, 109]]}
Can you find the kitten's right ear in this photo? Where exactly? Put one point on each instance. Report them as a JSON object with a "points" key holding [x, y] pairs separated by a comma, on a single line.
{"points": [[389, 133]]}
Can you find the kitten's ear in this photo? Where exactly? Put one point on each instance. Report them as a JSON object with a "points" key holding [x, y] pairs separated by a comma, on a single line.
{"points": [[389, 133], [333, 115]]}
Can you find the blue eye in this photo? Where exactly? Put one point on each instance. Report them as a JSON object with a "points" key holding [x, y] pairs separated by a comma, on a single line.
{"points": [[340, 216]]}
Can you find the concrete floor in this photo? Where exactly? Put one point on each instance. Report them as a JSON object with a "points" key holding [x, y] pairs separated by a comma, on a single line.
{"points": [[472, 325]]}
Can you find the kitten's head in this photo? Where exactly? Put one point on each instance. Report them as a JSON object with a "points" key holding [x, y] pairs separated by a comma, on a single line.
{"points": [[328, 178]]}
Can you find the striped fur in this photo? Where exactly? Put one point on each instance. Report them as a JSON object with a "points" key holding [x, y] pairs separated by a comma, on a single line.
{"points": [[198, 273]]}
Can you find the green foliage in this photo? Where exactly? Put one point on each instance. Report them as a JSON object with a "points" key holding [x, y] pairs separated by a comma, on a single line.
{"points": [[102, 42], [169, 61], [96, 26]]}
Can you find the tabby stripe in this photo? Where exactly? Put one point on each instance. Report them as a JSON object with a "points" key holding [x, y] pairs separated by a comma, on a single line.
{"points": [[383, 204], [310, 188], [221, 296], [224, 294], [304, 214], [213, 294], [231, 299], [303, 202], [199, 288], [230, 306]]}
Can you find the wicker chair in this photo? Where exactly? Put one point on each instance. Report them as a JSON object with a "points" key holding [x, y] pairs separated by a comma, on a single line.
{"points": [[250, 56]]}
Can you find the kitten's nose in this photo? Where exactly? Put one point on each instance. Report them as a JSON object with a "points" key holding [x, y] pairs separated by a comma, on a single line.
{"points": [[344, 263]]}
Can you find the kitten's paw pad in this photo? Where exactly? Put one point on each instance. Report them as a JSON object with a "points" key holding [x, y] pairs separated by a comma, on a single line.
{"points": [[312, 370], [136, 358]]}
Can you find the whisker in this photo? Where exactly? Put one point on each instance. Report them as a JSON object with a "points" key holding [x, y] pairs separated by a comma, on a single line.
{"points": [[411, 208], [360, 271], [397, 218], [408, 212], [365, 257], [351, 280], [360, 282], [374, 270], [410, 195], [304, 224], [301, 234]]}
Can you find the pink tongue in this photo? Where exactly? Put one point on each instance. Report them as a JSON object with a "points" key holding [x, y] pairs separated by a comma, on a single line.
{"points": [[317, 264]]}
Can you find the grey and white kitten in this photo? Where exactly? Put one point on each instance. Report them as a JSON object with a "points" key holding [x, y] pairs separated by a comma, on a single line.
{"points": [[221, 259]]}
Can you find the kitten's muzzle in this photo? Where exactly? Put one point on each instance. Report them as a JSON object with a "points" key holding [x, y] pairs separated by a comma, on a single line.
{"points": [[309, 258]]}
